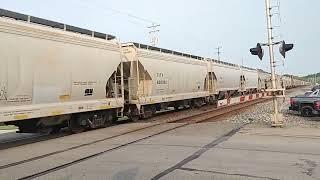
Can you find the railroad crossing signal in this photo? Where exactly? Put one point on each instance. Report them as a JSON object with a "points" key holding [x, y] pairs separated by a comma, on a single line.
{"points": [[284, 48], [257, 51], [276, 117]]}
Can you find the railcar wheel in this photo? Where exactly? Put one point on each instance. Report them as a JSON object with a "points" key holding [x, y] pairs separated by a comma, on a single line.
{"points": [[75, 126], [55, 130], [176, 108], [197, 103], [148, 111], [134, 118], [212, 101], [45, 130], [133, 115], [109, 120]]}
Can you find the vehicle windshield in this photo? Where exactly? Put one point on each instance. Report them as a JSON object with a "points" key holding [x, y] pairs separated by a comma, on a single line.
{"points": [[315, 93], [307, 93]]}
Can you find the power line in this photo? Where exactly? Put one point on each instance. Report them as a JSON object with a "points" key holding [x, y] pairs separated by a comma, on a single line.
{"points": [[134, 19], [153, 28], [115, 11]]}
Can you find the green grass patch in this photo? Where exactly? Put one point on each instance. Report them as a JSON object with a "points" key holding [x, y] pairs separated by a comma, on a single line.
{"points": [[4, 127]]}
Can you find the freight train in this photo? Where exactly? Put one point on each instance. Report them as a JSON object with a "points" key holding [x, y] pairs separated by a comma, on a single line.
{"points": [[54, 75]]}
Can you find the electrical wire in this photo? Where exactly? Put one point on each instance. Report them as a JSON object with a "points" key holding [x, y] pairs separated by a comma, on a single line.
{"points": [[115, 11]]}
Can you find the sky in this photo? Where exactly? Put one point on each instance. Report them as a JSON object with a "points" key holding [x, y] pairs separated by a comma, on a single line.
{"points": [[197, 27]]}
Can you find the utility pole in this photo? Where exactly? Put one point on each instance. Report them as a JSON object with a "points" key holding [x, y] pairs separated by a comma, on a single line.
{"points": [[218, 51], [277, 119], [154, 39]]}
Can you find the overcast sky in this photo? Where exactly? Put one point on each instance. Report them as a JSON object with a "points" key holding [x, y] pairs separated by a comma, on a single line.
{"points": [[196, 27]]}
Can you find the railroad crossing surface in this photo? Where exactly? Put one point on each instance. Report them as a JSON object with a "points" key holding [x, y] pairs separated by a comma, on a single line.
{"points": [[211, 150]]}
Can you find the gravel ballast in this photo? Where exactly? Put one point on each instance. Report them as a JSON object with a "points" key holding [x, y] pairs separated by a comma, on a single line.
{"points": [[260, 114]]}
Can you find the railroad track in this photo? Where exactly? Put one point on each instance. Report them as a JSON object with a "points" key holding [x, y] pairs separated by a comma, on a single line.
{"points": [[20, 138], [30, 139], [35, 138], [195, 117]]}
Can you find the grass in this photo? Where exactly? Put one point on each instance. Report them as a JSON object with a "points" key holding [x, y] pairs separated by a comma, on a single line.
{"points": [[4, 127], [311, 77]]}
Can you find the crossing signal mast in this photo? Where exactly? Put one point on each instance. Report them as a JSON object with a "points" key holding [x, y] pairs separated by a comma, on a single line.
{"points": [[277, 118]]}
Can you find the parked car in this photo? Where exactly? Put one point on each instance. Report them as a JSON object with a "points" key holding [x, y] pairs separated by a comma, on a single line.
{"points": [[316, 87], [316, 106], [305, 104]]}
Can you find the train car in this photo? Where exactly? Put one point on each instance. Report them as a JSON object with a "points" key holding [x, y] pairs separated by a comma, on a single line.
{"points": [[158, 78], [52, 73], [295, 82], [263, 80], [251, 79], [279, 82], [292, 82], [227, 78], [266, 83], [287, 82]]}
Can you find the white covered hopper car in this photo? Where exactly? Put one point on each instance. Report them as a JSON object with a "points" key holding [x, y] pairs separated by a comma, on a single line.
{"points": [[158, 78], [226, 78], [50, 70], [251, 79]]}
